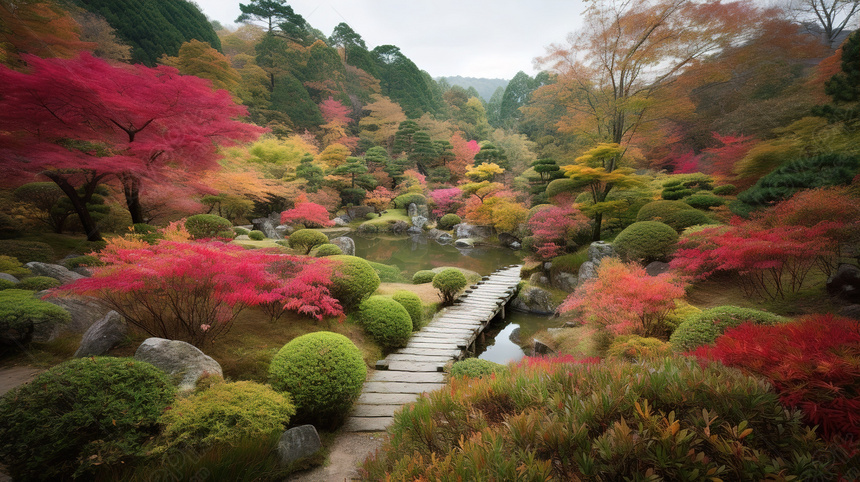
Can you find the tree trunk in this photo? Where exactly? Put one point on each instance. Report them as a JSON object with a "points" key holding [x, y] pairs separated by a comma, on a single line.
{"points": [[131, 189], [595, 231], [80, 206]]}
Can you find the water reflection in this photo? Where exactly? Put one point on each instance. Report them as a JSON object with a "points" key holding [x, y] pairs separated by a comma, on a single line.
{"points": [[504, 337]]}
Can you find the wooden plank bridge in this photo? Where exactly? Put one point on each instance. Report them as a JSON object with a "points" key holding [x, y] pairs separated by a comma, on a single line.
{"points": [[402, 376]]}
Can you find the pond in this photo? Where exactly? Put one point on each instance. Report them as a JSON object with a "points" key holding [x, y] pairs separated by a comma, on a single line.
{"points": [[412, 254]]}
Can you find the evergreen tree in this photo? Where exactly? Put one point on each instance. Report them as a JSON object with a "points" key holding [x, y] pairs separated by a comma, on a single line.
{"points": [[277, 17], [844, 87], [489, 153]]}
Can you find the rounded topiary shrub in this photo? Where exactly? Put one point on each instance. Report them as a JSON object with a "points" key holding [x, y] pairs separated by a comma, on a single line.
{"points": [[38, 283], [79, 415], [646, 241], [22, 315], [256, 235], [201, 226], [704, 201], [307, 239], [634, 348], [404, 200], [413, 306], [26, 251], [703, 328], [448, 221], [354, 280], [725, 190], [239, 230], [475, 368], [682, 220], [226, 413], [422, 276], [323, 372], [11, 265], [386, 320], [328, 249], [146, 232], [449, 282], [561, 186], [660, 210], [85, 261]]}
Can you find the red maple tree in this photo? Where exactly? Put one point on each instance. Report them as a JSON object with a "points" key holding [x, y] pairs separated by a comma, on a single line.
{"points": [[312, 215]]}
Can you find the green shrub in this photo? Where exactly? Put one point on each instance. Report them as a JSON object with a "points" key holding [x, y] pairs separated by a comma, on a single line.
{"points": [[21, 314], [226, 413], [682, 311], [413, 306], [328, 249], [704, 328], [147, 232], [682, 220], [634, 348], [475, 368], [725, 190], [448, 221], [404, 200], [85, 261], [27, 251], [646, 241], [7, 285], [561, 186], [79, 415], [355, 280], [669, 419], [38, 283], [387, 273], [386, 321], [9, 226], [202, 226], [659, 210], [11, 265], [704, 201], [307, 239], [837, 169], [256, 235], [323, 372], [569, 263], [240, 231], [449, 282], [422, 276], [675, 192]]}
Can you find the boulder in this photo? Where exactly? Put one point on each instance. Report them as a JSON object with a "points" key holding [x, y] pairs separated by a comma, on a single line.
{"points": [[242, 237], [466, 230], [347, 245], [850, 311], [9, 277], [56, 271], [414, 231], [515, 337], [83, 271], [444, 238], [465, 243], [398, 227], [587, 271], [340, 222], [564, 281], [419, 222], [298, 443], [102, 336], [534, 300], [599, 250], [538, 279], [179, 359], [84, 310], [417, 210], [541, 348], [267, 226], [509, 241], [844, 284], [655, 268], [284, 230]]}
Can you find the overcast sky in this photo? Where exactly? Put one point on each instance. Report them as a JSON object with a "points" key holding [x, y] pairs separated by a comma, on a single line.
{"points": [[472, 38]]}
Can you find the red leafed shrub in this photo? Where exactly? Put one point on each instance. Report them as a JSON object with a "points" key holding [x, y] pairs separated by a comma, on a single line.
{"points": [[445, 201], [194, 291], [312, 215], [813, 364], [553, 226], [625, 300], [305, 288]]}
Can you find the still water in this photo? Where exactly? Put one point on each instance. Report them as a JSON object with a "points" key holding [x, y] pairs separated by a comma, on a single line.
{"points": [[412, 254]]}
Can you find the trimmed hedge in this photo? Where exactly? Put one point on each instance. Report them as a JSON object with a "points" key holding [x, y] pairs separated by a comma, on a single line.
{"points": [[725, 190], [256, 235], [682, 220], [413, 306], [448, 221], [355, 280], [660, 210], [26, 251], [704, 201], [386, 321], [21, 314], [85, 260], [387, 273], [703, 328], [646, 241], [328, 249], [561, 186], [307, 239], [475, 368], [240, 231], [449, 282], [80, 415], [404, 200], [201, 226], [422, 276], [323, 372]]}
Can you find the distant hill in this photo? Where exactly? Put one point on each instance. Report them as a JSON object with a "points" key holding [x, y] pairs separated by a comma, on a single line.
{"points": [[485, 87]]}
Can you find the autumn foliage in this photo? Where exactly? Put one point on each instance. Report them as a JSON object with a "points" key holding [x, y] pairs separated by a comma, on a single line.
{"points": [[625, 300], [553, 227], [814, 365], [312, 215]]}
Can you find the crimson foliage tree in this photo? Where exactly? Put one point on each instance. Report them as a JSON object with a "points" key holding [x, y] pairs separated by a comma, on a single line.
{"points": [[312, 215], [80, 122], [553, 227]]}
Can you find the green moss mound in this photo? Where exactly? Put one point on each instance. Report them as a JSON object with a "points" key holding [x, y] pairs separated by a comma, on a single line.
{"points": [[256, 235], [323, 372], [26, 251], [328, 249], [79, 415], [240, 231], [646, 241], [634, 348], [387, 273], [226, 413], [202, 226], [11, 265], [449, 282], [475, 368], [404, 200], [82, 261], [422, 276], [682, 220], [660, 210], [307, 239], [386, 320], [725, 190], [22, 314], [703, 328], [704, 201], [561, 186], [448, 221], [354, 281], [38, 283], [413, 306]]}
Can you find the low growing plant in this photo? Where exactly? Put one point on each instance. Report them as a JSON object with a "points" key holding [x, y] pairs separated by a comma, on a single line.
{"points": [[705, 327], [203, 226], [38, 283], [354, 280], [423, 276], [449, 282], [256, 235], [307, 239], [475, 368], [386, 321], [22, 314]]}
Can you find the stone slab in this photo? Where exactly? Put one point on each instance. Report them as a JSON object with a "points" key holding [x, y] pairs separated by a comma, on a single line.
{"points": [[386, 398], [429, 351], [437, 345], [400, 387], [367, 424], [417, 358], [375, 410], [407, 377], [407, 366]]}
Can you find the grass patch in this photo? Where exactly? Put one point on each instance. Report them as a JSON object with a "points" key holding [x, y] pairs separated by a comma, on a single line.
{"points": [[578, 341], [389, 217], [66, 244], [387, 273], [266, 243]]}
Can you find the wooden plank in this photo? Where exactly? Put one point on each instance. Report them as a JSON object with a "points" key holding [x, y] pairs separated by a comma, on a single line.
{"points": [[367, 424], [387, 398], [398, 387], [397, 376], [418, 367], [455, 345], [417, 358], [446, 331], [429, 351], [440, 335], [362, 410]]}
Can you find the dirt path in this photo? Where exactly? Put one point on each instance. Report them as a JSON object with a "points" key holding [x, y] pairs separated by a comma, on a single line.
{"points": [[349, 450], [11, 377]]}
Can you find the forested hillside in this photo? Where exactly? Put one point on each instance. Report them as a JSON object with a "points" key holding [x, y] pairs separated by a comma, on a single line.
{"points": [[485, 88]]}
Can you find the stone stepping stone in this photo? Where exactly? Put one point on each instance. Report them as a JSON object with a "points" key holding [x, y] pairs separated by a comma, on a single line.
{"points": [[406, 377], [386, 398], [400, 387], [367, 424]]}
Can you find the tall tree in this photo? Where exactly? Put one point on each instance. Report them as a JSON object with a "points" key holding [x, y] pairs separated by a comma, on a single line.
{"points": [[277, 17], [830, 16], [137, 123], [200, 59]]}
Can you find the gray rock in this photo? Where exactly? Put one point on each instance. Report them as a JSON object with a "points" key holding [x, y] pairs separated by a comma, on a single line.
{"points": [[656, 267], [9, 277], [434, 233], [179, 359], [347, 245], [538, 279], [242, 237], [564, 281], [359, 212], [850, 311], [570, 324], [267, 226], [398, 227], [515, 245], [59, 273], [599, 250], [515, 337], [541, 348], [85, 311], [444, 238], [466, 230], [844, 284], [419, 221], [102, 336], [83, 271], [587, 271], [465, 243], [298, 443], [417, 210], [509, 241], [340, 222], [284, 230], [534, 300], [414, 231]]}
